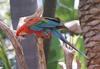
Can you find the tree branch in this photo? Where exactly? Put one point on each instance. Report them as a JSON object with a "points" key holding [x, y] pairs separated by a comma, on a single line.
{"points": [[16, 44], [41, 54]]}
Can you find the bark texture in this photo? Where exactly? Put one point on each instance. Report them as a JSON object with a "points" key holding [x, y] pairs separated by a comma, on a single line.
{"points": [[89, 11]]}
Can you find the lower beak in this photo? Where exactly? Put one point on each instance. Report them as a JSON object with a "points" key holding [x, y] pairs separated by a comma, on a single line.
{"points": [[20, 38]]}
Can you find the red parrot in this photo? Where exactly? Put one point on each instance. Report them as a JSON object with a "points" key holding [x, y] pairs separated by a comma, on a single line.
{"points": [[43, 27]]}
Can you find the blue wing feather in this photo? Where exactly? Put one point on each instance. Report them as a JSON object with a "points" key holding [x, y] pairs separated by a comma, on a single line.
{"points": [[45, 24], [49, 24], [57, 34]]}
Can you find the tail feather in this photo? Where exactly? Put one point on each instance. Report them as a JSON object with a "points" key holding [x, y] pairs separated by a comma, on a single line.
{"points": [[57, 34]]}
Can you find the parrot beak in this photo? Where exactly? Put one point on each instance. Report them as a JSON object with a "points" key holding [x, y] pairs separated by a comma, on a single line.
{"points": [[21, 38], [21, 35]]}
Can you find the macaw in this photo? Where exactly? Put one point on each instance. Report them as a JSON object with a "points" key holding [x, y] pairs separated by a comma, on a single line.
{"points": [[43, 27]]}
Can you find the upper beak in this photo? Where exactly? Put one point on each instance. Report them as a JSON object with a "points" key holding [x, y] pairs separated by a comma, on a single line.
{"points": [[20, 38]]}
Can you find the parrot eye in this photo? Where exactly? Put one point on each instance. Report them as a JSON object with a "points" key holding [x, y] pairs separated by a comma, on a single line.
{"points": [[23, 34]]}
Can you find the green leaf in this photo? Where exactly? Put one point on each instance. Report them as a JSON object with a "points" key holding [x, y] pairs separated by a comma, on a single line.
{"points": [[66, 14], [3, 56], [80, 46], [55, 54]]}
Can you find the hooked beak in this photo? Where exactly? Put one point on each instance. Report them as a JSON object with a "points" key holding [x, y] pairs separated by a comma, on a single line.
{"points": [[21, 36]]}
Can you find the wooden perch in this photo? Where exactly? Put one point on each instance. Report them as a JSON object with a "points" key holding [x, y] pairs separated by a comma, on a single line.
{"points": [[41, 54], [16, 45]]}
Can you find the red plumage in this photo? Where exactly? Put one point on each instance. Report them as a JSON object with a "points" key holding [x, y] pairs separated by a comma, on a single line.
{"points": [[25, 30]]}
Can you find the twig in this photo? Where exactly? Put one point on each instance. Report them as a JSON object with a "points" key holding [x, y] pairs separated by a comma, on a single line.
{"points": [[68, 57], [16, 44]]}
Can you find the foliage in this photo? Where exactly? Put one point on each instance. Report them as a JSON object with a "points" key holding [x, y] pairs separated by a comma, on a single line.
{"points": [[65, 10], [5, 11], [55, 54], [5, 16], [3, 56], [80, 45], [2, 34]]}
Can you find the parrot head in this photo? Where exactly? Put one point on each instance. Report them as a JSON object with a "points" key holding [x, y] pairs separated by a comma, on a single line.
{"points": [[22, 31]]}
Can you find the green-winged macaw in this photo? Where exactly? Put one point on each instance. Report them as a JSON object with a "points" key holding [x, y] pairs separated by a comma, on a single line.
{"points": [[43, 27]]}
